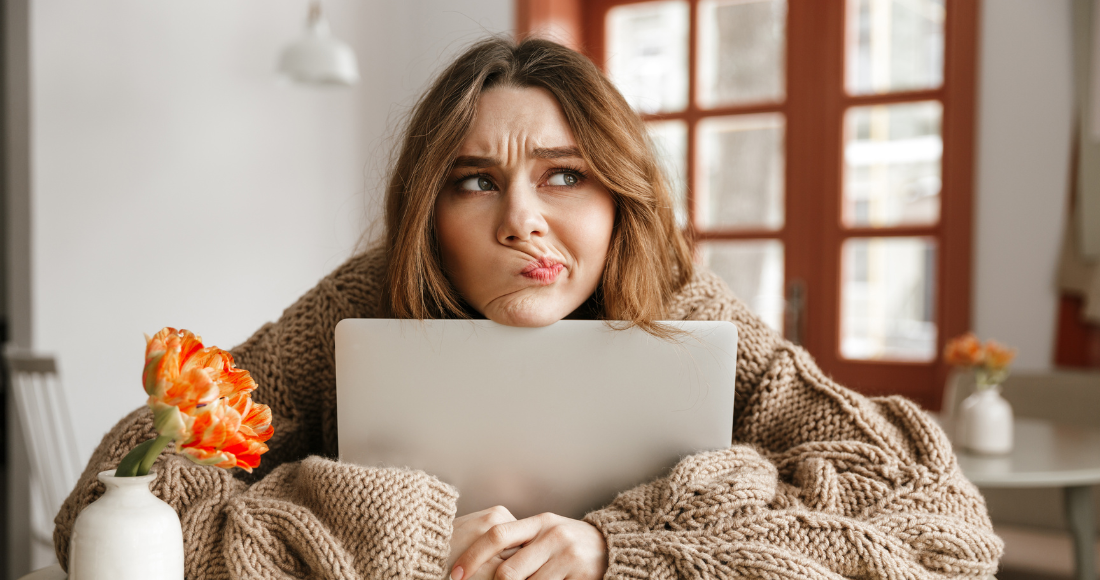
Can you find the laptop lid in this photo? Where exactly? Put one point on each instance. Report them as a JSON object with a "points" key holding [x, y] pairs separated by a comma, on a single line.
{"points": [[559, 418]]}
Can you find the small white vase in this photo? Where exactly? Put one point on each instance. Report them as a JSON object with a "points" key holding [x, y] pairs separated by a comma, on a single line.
{"points": [[129, 533], [984, 422]]}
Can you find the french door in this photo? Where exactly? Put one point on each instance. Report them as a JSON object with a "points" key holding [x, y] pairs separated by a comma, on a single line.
{"points": [[822, 151]]}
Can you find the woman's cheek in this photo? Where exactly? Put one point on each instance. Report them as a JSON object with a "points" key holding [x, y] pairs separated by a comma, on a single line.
{"points": [[465, 236], [598, 223], [453, 238]]}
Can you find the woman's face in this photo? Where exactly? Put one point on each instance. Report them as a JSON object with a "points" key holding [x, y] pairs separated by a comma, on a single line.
{"points": [[523, 230]]}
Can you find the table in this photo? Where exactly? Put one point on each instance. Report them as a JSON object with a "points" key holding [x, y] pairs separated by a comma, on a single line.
{"points": [[1046, 454]]}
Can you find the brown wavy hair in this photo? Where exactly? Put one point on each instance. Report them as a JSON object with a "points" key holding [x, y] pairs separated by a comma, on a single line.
{"points": [[649, 258]]}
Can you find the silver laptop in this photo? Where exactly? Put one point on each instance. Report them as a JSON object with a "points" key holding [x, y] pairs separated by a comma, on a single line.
{"points": [[554, 419]]}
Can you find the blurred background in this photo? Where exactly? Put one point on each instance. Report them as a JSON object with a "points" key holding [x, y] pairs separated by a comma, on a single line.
{"points": [[873, 177]]}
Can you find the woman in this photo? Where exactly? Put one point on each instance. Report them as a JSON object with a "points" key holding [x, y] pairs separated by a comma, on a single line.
{"points": [[524, 192]]}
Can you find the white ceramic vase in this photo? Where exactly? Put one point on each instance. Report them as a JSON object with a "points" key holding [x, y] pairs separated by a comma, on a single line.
{"points": [[129, 533], [984, 422]]}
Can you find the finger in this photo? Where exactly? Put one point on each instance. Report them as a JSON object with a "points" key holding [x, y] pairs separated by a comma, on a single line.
{"points": [[472, 526], [553, 569], [488, 517], [525, 562], [499, 538], [498, 514], [487, 569]]}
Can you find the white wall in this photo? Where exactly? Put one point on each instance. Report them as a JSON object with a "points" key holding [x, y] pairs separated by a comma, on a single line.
{"points": [[176, 183], [1024, 133]]}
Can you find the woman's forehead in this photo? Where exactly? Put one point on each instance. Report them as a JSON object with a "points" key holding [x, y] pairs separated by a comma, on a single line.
{"points": [[511, 120]]}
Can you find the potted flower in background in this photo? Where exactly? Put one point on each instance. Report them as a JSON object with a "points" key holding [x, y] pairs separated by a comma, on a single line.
{"points": [[983, 423], [203, 403]]}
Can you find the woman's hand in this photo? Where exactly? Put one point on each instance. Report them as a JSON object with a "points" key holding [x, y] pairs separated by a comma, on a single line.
{"points": [[551, 547], [470, 527]]}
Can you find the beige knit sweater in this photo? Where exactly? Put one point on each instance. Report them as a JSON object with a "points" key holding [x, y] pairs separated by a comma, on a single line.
{"points": [[822, 483]]}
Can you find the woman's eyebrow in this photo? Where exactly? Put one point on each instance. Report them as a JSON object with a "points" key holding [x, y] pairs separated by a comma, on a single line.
{"points": [[472, 161], [556, 152], [538, 152]]}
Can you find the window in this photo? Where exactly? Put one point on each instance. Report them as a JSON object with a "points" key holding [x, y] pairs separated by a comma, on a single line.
{"points": [[822, 154]]}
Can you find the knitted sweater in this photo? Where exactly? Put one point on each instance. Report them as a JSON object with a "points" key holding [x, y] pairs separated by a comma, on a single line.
{"points": [[821, 482]]}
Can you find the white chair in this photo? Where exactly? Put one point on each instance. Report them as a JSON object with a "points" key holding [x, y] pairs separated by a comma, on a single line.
{"points": [[47, 426]]}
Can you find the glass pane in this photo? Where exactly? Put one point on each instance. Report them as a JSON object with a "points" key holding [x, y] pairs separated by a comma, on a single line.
{"points": [[892, 165], [894, 45], [754, 271], [742, 51], [647, 49], [669, 139], [740, 181], [888, 299]]}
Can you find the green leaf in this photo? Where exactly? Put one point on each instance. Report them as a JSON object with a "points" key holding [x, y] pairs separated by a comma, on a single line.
{"points": [[128, 467]]}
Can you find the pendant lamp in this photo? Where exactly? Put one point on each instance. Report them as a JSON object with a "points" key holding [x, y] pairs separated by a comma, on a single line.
{"points": [[318, 58]]}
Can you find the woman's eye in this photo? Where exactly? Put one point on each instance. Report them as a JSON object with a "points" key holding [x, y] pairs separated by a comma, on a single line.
{"points": [[563, 179], [476, 183]]}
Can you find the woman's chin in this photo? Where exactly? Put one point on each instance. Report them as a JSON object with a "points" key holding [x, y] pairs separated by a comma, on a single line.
{"points": [[527, 313], [525, 319]]}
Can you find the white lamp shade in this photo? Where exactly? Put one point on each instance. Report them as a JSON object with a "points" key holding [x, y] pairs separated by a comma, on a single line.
{"points": [[319, 59]]}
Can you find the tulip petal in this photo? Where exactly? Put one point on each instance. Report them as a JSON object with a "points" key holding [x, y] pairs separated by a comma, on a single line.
{"points": [[204, 456], [149, 375]]}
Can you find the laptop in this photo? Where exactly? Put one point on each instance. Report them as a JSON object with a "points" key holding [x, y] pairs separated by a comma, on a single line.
{"points": [[554, 419]]}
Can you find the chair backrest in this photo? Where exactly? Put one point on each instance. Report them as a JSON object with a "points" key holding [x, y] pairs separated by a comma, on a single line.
{"points": [[1068, 397], [47, 425]]}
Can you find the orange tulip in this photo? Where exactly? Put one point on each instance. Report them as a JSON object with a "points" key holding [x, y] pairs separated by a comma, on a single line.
{"points": [[965, 350], [228, 433], [255, 417], [202, 401], [229, 379], [179, 371], [247, 444], [990, 361], [171, 376], [998, 356], [207, 431]]}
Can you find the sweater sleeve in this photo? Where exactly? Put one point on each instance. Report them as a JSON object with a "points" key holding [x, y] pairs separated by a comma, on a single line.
{"points": [[297, 515], [821, 483]]}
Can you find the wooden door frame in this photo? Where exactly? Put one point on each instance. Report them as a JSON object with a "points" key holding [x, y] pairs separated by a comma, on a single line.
{"points": [[922, 382]]}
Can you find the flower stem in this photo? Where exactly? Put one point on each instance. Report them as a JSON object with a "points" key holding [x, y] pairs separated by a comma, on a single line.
{"points": [[129, 465], [154, 450], [140, 459]]}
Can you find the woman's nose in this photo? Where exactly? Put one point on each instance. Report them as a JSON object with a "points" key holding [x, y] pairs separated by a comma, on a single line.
{"points": [[522, 219]]}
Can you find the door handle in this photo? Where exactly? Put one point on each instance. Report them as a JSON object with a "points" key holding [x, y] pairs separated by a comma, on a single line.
{"points": [[794, 315]]}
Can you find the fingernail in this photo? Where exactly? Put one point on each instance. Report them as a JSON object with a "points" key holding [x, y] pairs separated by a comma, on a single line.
{"points": [[456, 574]]}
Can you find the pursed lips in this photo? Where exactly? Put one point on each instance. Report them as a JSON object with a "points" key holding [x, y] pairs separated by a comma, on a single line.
{"points": [[543, 270]]}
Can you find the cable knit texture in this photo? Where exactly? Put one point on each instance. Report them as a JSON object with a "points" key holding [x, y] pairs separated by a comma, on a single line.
{"points": [[821, 482]]}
